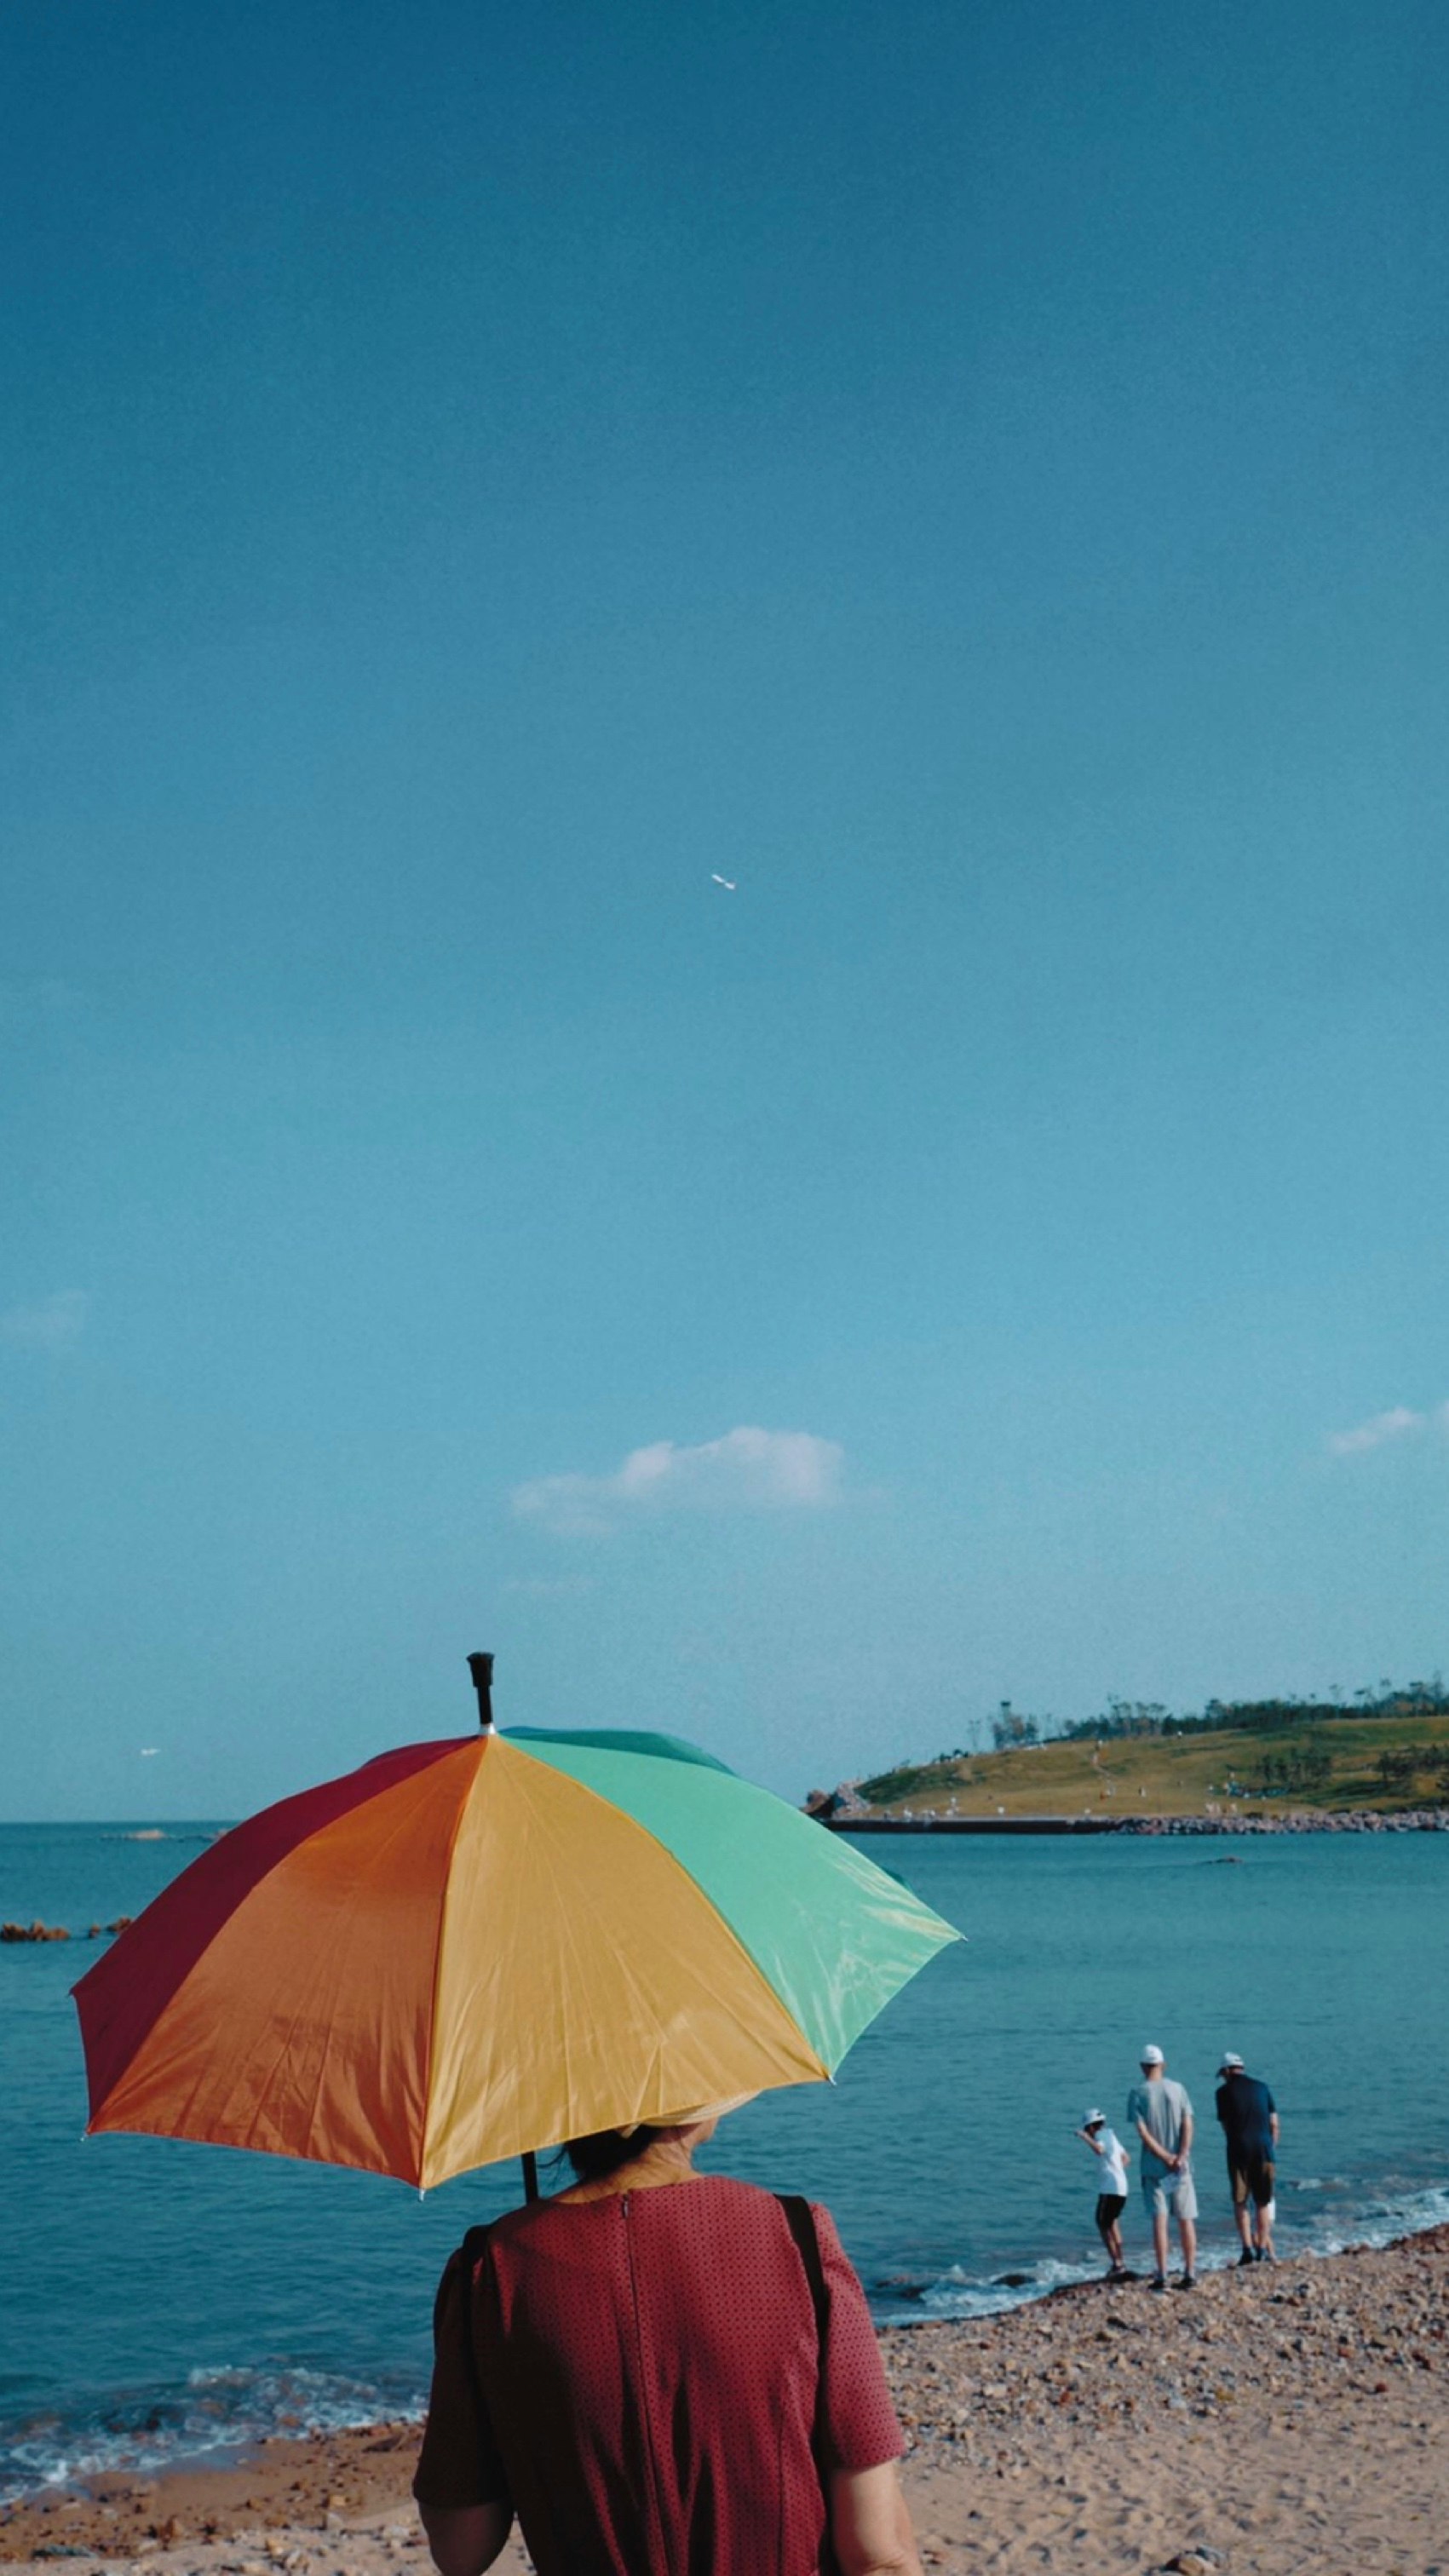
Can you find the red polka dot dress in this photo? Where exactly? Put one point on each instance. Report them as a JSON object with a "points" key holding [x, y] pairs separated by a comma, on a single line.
{"points": [[648, 2368]]}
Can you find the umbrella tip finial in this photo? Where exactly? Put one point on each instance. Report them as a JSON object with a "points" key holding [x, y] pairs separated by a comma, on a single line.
{"points": [[481, 1668]]}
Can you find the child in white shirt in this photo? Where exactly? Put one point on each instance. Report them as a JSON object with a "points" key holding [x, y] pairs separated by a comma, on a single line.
{"points": [[1112, 2187]]}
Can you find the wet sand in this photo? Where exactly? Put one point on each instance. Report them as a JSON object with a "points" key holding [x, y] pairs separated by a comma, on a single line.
{"points": [[1288, 2422]]}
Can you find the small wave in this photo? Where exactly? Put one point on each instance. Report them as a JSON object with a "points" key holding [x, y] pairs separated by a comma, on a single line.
{"points": [[159, 1834], [955, 2293], [1385, 2221], [217, 2410]]}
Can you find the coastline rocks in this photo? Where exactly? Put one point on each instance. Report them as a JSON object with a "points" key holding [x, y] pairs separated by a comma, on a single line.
{"points": [[38, 1931], [845, 1807], [832, 1806], [1300, 1820]]}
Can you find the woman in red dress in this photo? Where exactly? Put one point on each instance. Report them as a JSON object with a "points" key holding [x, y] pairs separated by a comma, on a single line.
{"points": [[662, 2373]]}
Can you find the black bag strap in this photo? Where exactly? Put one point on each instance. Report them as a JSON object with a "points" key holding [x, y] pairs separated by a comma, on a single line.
{"points": [[800, 2219]]}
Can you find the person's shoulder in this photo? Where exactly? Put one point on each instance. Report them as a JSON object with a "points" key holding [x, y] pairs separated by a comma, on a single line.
{"points": [[738, 2221], [552, 2215], [825, 2227], [720, 2195], [450, 2275], [718, 2200], [512, 2225], [462, 2266], [748, 2204], [729, 2187], [747, 2200]]}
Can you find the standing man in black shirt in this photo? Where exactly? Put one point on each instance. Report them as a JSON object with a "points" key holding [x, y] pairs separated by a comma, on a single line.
{"points": [[1250, 2123]]}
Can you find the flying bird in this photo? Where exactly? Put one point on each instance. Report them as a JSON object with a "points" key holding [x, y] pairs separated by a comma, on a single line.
{"points": [[728, 883], [147, 1750]]}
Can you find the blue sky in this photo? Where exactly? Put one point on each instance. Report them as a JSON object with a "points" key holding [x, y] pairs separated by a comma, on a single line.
{"points": [[977, 480]]}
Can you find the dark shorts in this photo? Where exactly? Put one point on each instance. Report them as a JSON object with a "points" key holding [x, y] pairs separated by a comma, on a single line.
{"points": [[1251, 2179], [1110, 2205]]}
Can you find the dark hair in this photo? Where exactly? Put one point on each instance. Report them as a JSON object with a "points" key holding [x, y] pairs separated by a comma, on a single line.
{"points": [[606, 2150]]}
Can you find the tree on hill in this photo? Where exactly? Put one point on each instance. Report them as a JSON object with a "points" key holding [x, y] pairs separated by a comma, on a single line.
{"points": [[1010, 1730], [1302, 1766], [1123, 1717]]}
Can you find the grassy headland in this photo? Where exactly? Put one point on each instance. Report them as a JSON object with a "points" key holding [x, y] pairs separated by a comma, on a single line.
{"points": [[1386, 1763]]}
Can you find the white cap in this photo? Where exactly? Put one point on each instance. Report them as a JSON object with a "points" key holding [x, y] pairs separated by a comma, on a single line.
{"points": [[1232, 2064], [1093, 2119], [705, 2111], [691, 2118], [1152, 2057]]}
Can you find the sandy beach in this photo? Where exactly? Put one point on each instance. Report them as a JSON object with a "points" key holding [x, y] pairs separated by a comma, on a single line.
{"points": [[1284, 2422]]}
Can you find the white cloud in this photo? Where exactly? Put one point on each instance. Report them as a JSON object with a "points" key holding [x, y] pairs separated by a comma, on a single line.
{"points": [[747, 1470], [57, 1319], [1396, 1424]]}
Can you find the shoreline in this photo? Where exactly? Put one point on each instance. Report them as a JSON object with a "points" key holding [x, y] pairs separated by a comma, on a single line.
{"points": [[900, 2303], [1263, 2409], [1301, 1820]]}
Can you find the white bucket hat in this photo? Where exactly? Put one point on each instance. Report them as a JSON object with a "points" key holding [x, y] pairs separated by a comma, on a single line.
{"points": [[689, 2119]]}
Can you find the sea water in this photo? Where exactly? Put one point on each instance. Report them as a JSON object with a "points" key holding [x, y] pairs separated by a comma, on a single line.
{"points": [[159, 2300]]}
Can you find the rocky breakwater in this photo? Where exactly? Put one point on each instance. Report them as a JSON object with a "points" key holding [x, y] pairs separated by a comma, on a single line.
{"points": [[838, 1806], [59, 1932], [1300, 1820]]}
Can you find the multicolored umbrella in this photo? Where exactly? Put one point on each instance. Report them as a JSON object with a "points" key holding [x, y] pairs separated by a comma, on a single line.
{"points": [[478, 1948]]}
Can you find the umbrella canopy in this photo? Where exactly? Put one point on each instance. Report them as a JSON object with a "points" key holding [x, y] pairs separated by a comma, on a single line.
{"points": [[473, 1949]]}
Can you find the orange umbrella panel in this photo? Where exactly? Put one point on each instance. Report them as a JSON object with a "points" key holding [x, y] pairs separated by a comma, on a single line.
{"points": [[279, 1993]]}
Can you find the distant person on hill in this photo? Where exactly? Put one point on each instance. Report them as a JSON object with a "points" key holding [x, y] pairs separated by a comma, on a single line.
{"points": [[1160, 2112], [1111, 2187], [1249, 2116]]}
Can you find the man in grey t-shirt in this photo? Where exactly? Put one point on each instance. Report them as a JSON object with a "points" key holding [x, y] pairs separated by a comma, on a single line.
{"points": [[1160, 2112]]}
